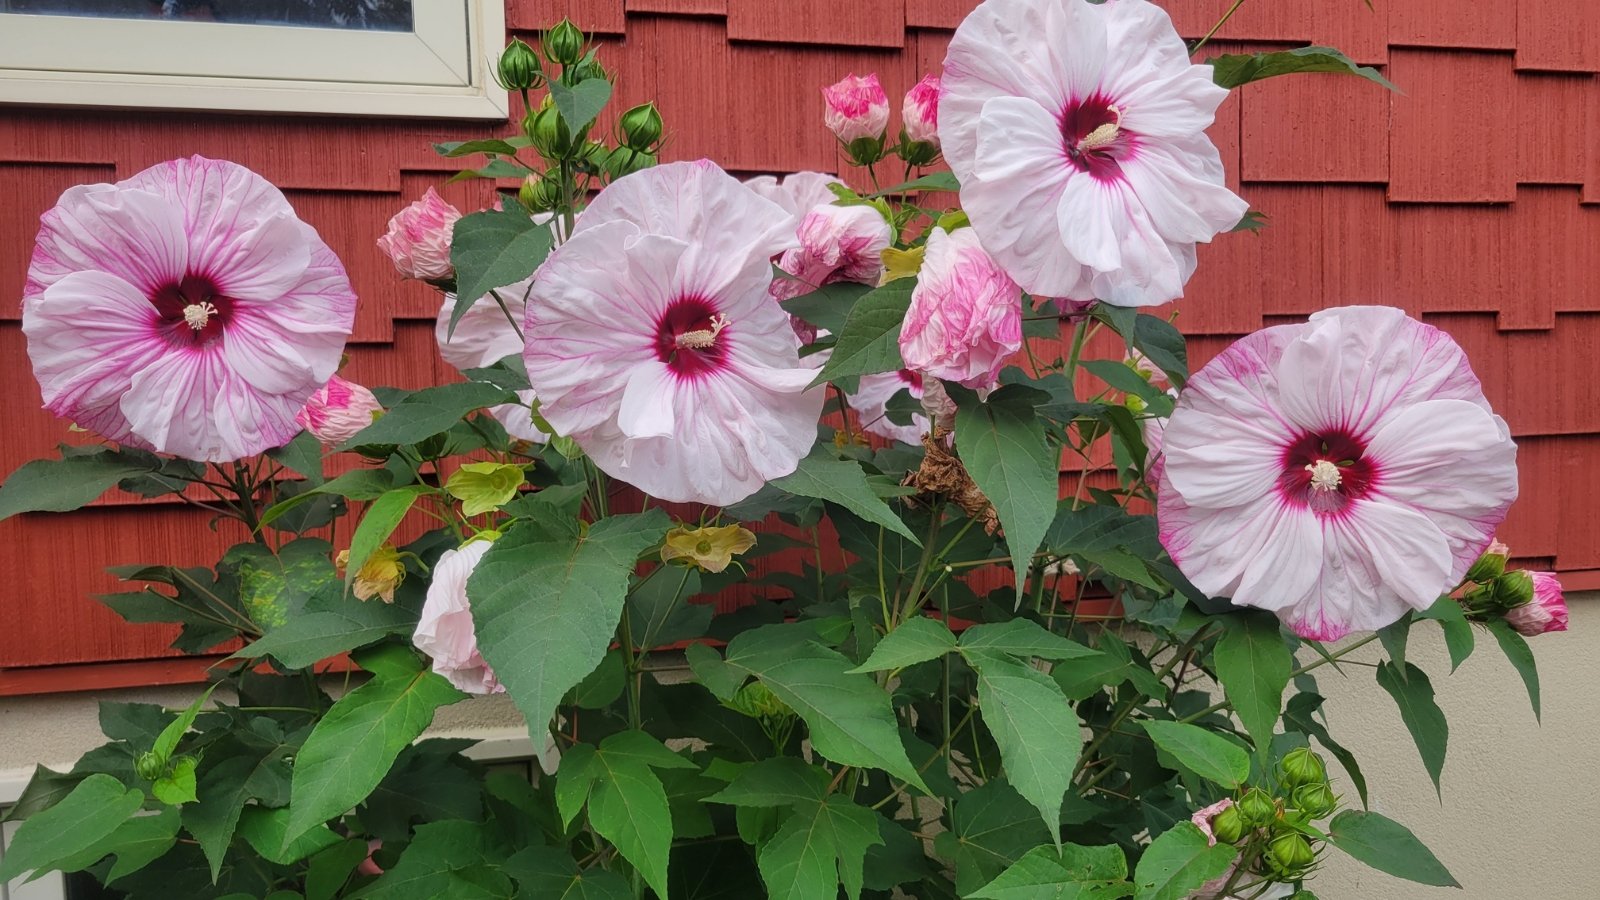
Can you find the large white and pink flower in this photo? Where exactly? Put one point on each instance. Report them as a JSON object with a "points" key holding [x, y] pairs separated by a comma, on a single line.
{"points": [[1339, 473], [965, 318], [483, 337], [799, 193], [871, 403], [836, 243], [652, 342], [1077, 131], [185, 310], [445, 630]]}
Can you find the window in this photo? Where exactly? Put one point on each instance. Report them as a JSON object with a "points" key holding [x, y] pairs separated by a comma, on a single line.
{"points": [[421, 58]]}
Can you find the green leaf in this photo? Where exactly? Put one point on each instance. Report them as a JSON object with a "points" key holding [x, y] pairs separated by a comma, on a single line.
{"points": [[275, 588], [329, 870], [937, 181], [849, 715], [177, 787], [316, 635], [357, 484], [1300, 714], [444, 859], [721, 679], [302, 455], [1211, 756], [776, 782], [627, 802], [1162, 344], [991, 829], [1395, 637], [1233, 70], [869, 342], [224, 788], [659, 611], [1413, 693], [1038, 732], [843, 482], [1022, 638], [267, 833], [1106, 536], [490, 250], [1458, 636], [453, 149], [495, 168], [428, 412], [356, 742], [1388, 846], [1253, 664], [548, 872], [380, 520], [167, 741], [1070, 873], [1252, 221], [1178, 862], [139, 841], [62, 485], [582, 102], [1123, 378], [816, 850], [45, 789], [547, 601], [1520, 654], [484, 486], [96, 808], [828, 306], [1002, 442], [917, 640]]}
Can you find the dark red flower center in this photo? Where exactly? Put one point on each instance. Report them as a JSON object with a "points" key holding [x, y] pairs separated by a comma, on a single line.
{"points": [[912, 379], [193, 311], [1325, 471], [689, 337], [1095, 140]]}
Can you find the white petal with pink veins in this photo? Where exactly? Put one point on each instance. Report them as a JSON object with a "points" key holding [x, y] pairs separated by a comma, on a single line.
{"points": [[1023, 169], [647, 402], [1183, 204], [191, 404], [263, 355], [1088, 217], [218, 199], [134, 235], [259, 263]]}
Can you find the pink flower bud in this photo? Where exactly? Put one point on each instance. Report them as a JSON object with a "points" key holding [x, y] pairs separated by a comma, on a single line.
{"points": [[857, 108], [965, 318], [338, 410], [920, 113], [837, 243], [1547, 612], [418, 239]]}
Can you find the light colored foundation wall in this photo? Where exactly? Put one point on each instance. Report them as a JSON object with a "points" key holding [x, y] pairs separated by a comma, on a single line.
{"points": [[1520, 818]]}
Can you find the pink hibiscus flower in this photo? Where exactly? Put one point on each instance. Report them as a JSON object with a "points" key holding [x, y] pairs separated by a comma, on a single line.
{"points": [[483, 337], [871, 401], [651, 340], [445, 631], [1339, 473], [184, 310], [1077, 131], [798, 193]]}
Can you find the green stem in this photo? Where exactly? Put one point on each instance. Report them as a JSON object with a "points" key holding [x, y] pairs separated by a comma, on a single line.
{"points": [[1126, 707], [1214, 29]]}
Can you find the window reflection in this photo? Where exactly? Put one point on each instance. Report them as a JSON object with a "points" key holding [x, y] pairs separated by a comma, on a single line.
{"points": [[368, 15]]}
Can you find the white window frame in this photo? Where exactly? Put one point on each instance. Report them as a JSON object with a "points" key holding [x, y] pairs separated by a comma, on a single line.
{"points": [[440, 69]]}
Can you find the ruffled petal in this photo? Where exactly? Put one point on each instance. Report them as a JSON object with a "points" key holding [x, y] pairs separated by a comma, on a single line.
{"points": [[1231, 552], [1183, 204], [642, 414], [192, 405], [1087, 217], [134, 235], [1182, 104]]}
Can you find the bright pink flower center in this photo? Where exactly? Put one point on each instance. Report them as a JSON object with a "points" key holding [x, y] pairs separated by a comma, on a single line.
{"points": [[193, 311], [1095, 140], [687, 339], [1326, 471], [912, 379]]}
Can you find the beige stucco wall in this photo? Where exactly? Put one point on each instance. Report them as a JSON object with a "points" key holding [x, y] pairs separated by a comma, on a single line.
{"points": [[1520, 818]]}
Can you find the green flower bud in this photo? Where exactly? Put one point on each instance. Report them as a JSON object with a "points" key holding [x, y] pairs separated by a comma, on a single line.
{"points": [[624, 161], [1228, 826], [149, 766], [527, 195], [1491, 565], [549, 132], [917, 153], [1315, 800], [1302, 766], [540, 194], [586, 70], [1513, 589], [641, 127], [1257, 808], [563, 44], [865, 151], [1289, 855], [518, 69]]}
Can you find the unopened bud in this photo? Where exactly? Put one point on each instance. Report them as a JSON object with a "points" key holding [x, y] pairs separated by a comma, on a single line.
{"points": [[1290, 854], [1513, 589], [865, 151], [518, 69], [1256, 808], [624, 161], [1491, 565], [563, 44], [549, 132], [149, 766], [1228, 826], [1302, 766], [1315, 800], [528, 194], [588, 70], [916, 153], [641, 127]]}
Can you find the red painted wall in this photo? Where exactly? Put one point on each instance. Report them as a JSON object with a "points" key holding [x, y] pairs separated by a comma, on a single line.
{"points": [[1471, 200]]}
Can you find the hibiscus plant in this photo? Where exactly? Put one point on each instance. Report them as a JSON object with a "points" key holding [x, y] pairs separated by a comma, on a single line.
{"points": [[751, 499]]}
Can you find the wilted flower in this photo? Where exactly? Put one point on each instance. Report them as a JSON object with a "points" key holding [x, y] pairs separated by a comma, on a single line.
{"points": [[1078, 134], [185, 310], [445, 631], [856, 108], [965, 318], [379, 575], [920, 112], [871, 401], [1546, 612], [1202, 818], [418, 239], [836, 243], [483, 337], [338, 411], [1339, 473], [709, 548], [652, 342]]}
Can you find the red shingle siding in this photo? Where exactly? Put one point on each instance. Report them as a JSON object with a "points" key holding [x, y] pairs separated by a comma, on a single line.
{"points": [[1461, 200]]}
